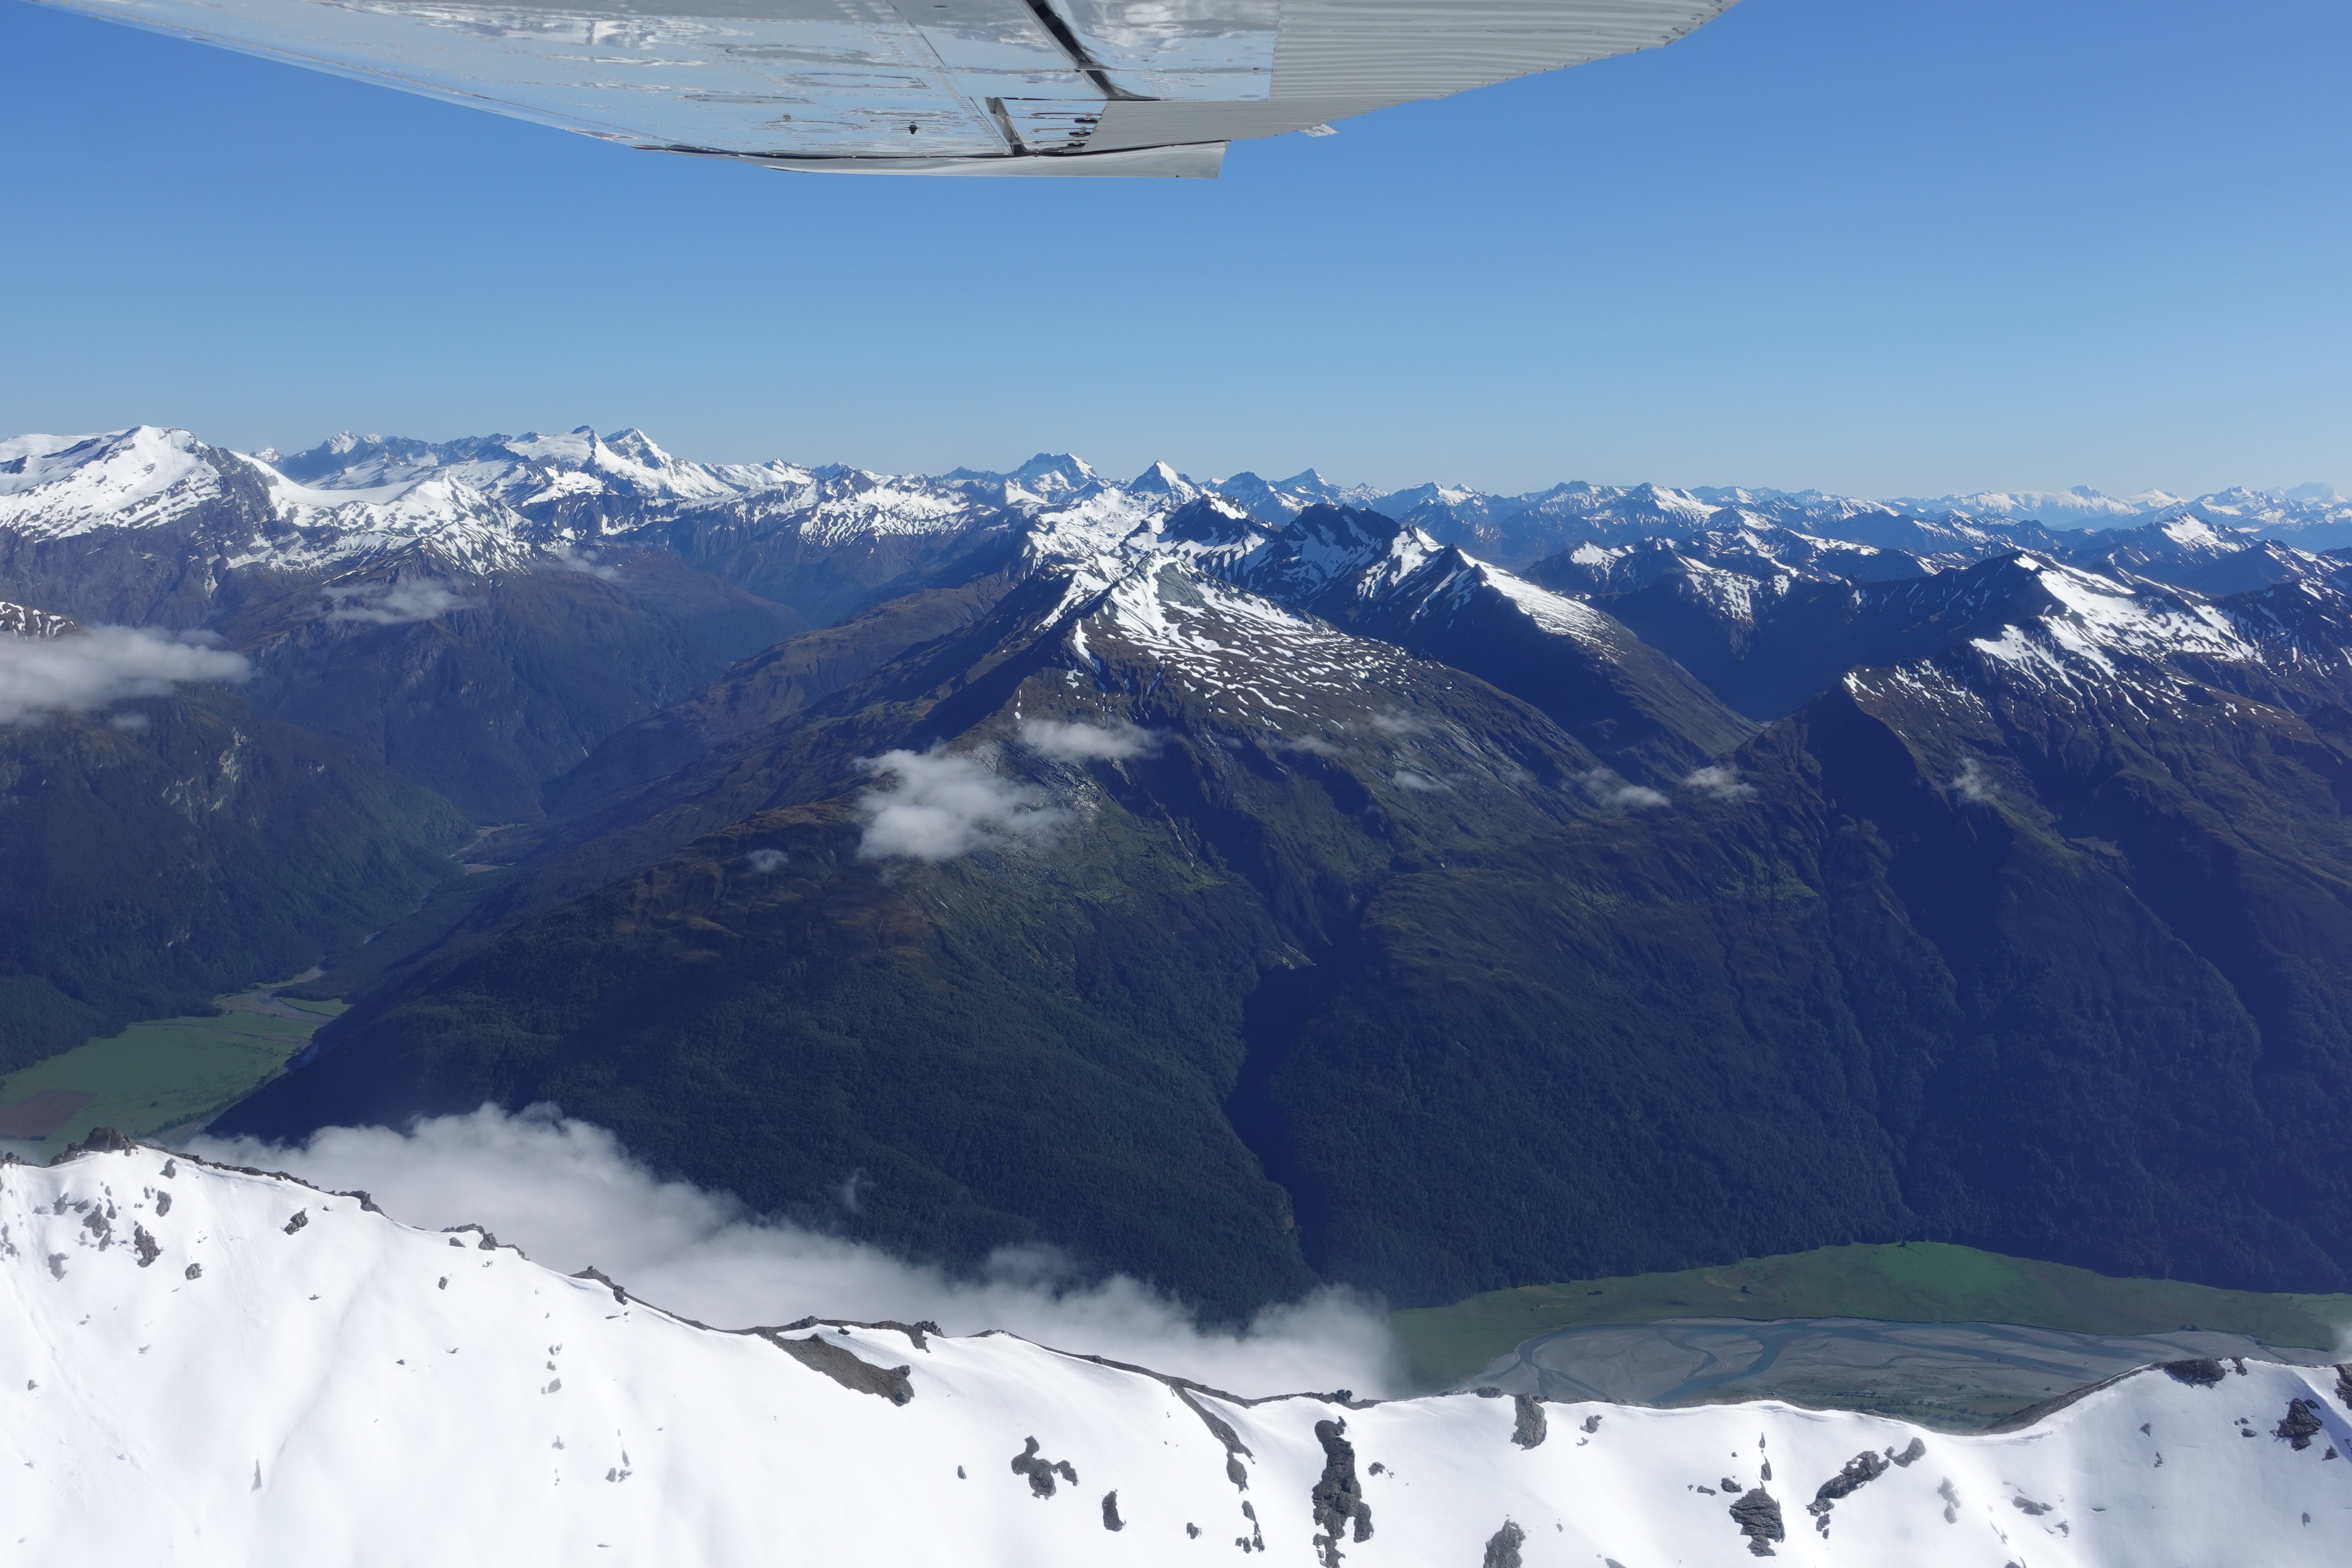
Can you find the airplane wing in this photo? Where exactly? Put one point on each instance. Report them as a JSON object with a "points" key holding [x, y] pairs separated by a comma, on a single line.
{"points": [[931, 87]]}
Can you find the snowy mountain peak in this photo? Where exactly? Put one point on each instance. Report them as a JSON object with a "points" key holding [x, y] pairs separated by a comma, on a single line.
{"points": [[2081, 625], [145, 477], [1052, 475], [215, 1367], [1161, 479]]}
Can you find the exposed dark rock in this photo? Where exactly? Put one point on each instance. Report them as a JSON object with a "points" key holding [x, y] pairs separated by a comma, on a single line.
{"points": [[1503, 1547], [1338, 1497], [1758, 1514], [1952, 1500], [1530, 1429], [1860, 1472], [149, 1249], [1110, 1512], [839, 1364], [1489, 1392], [1028, 1462], [1910, 1456], [1224, 1432], [162, 1204], [1191, 1531], [96, 1140], [301, 1217], [2026, 1505], [914, 1331], [1591, 1425], [1255, 1540], [2344, 1384], [2300, 1424], [2203, 1373], [193, 1271], [598, 1275], [171, 1168]]}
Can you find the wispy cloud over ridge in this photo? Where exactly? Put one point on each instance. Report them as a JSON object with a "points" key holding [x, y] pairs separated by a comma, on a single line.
{"points": [[940, 803], [393, 603], [571, 1196], [87, 672]]}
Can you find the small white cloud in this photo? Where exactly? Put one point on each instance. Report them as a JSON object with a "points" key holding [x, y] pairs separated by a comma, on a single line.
{"points": [[768, 862], [86, 672], [939, 804], [393, 603], [1611, 790], [1721, 782], [573, 558], [1114, 742], [1313, 745], [1396, 723], [1419, 784], [1972, 786], [569, 1194]]}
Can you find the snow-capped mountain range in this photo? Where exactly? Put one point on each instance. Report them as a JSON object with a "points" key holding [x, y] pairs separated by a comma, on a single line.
{"points": [[767, 738], [205, 1365], [496, 500]]}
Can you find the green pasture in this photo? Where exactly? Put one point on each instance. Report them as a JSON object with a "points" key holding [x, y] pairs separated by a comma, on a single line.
{"points": [[164, 1072], [1918, 1283]]}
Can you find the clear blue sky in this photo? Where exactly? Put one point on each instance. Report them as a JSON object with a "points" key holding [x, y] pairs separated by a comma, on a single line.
{"points": [[1878, 246]]}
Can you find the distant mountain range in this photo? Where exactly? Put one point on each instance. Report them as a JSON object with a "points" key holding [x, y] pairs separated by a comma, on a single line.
{"points": [[1242, 884]]}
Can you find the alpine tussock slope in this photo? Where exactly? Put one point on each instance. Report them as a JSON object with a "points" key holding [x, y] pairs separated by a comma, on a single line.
{"points": [[204, 1366]]}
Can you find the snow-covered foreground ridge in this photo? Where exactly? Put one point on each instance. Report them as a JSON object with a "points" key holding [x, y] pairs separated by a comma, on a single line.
{"points": [[201, 1365]]}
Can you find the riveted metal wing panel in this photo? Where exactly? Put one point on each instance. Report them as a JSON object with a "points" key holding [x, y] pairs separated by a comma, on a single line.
{"points": [[928, 86]]}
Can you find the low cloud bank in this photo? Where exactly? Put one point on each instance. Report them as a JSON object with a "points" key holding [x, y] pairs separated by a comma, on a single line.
{"points": [[1115, 741], [1611, 790], [570, 1196], [1972, 785], [86, 672], [940, 804], [1721, 782], [393, 603]]}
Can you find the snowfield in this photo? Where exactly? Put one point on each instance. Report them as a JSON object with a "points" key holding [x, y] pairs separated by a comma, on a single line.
{"points": [[206, 1366]]}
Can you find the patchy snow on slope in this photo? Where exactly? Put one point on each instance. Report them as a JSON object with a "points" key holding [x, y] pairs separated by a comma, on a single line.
{"points": [[140, 478], [202, 1366], [1554, 613], [2099, 622]]}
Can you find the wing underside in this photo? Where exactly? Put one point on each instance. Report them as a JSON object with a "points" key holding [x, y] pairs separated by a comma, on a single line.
{"points": [[981, 87]]}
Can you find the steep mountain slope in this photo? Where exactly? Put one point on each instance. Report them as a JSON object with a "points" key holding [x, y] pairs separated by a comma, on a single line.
{"points": [[1640, 711], [2189, 554], [1013, 893], [185, 845], [2040, 942], [1237, 884], [208, 1366]]}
